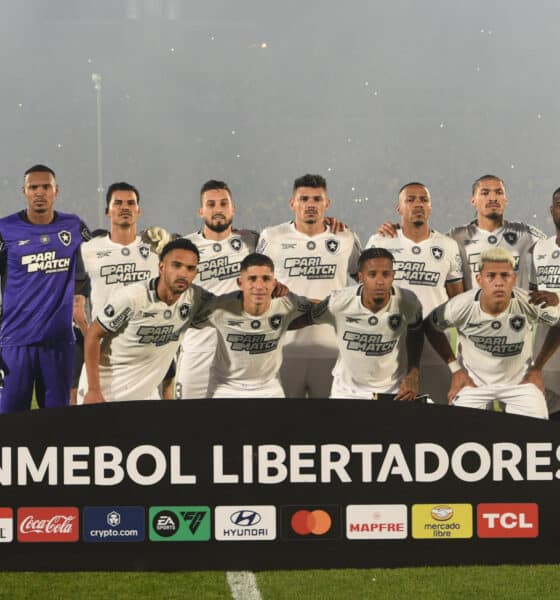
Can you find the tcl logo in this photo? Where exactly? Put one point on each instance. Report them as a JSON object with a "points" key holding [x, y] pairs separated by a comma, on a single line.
{"points": [[56, 524], [508, 520]]}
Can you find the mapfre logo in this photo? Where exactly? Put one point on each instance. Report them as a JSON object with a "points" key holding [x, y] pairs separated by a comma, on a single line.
{"points": [[53, 524], [508, 520]]}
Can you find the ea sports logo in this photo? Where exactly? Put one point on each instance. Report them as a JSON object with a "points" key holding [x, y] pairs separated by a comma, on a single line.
{"points": [[165, 523]]}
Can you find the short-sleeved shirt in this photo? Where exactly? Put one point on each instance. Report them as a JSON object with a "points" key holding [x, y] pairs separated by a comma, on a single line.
{"points": [[372, 346], [109, 265], [37, 265], [311, 266], [517, 238], [146, 333], [218, 270], [495, 350], [425, 267], [249, 352]]}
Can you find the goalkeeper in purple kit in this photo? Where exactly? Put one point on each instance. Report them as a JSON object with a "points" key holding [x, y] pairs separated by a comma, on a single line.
{"points": [[38, 253]]}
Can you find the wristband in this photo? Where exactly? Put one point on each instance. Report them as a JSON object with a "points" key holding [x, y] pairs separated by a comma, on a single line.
{"points": [[454, 366]]}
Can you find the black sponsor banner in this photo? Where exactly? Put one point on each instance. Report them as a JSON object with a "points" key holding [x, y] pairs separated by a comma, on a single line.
{"points": [[275, 484]]}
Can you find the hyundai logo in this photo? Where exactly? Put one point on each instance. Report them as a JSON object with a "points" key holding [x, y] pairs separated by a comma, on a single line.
{"points": [[245, 518]]}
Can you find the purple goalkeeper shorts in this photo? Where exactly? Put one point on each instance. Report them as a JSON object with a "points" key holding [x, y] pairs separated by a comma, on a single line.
{"points": [[48, 369]]}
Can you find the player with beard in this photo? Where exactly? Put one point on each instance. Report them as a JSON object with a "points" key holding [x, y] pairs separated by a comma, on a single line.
{"points": [[134, 338], [491, 230], [379, 333], [222, 250], [312, 260], [427, 263]]}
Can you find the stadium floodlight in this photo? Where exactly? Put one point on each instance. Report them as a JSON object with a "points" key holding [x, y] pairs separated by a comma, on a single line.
{"points": [[96, 78]]}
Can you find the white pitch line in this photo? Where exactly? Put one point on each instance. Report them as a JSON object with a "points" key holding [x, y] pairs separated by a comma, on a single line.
{"points": [[243, 585]]}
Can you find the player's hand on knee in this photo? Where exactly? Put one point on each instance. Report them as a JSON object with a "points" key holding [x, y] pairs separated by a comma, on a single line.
{"points": [[408, 388], [94, 397], [459, 380], [388, 229], [157, 237], [535, 377]]}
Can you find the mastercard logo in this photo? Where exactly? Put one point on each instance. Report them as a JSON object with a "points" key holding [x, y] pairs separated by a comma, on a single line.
{"points": [[311, 522]]}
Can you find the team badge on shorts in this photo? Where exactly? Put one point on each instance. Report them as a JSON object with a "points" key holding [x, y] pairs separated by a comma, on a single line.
{"points": [[394, 322], [275, 321], [184, 311], [511, 238], [109, 310], [332, 245], [437, 252], [517, 323], [65, 237], [144, 251], [235, 243]]}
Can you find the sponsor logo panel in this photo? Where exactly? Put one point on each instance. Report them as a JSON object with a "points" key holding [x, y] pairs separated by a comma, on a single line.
{"points": [[507, 520], [6, 525], [376, 522], [314, 522], [236, 523], [48, 524], [442, 521], [113, 524], [179, 523]]}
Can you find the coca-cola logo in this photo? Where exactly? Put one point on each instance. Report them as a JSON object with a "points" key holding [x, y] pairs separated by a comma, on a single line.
{"points": [[53, 524], [56, 524]]}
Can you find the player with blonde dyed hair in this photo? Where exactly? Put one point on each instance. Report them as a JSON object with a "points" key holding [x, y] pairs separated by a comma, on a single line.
{"points": [[495, 327]]}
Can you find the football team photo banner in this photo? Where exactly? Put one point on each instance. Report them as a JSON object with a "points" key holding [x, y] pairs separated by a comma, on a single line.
{"points": [[275, 484]]}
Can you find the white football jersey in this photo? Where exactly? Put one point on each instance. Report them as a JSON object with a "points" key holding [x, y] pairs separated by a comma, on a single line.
{"points": [[425, 267], [372, 346], [517, 238], [495, 350], [546, 276], [218, 270], [311, 266], [249, 351], [110, 266], [146, 333]]}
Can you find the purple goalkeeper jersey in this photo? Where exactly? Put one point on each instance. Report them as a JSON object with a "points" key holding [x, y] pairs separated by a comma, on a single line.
{"points": [[37, 264]]}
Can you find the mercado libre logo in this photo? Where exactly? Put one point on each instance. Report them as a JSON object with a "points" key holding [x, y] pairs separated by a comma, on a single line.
{"points": [[442, 521], [311, 522]]}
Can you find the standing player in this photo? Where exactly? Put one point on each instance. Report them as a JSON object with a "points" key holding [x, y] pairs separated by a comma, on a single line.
{"points": [[429, 264], [131, 344], [546, 257], [114, 259], [312, 261], [38, 250], [222, 249], [495, 325], [250, 327], [379, 333], [491, 230]]}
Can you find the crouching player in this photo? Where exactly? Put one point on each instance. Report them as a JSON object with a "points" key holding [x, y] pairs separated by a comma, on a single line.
{"points": [[379, 333], [495, 325], [131, 344], [251, 326]]}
